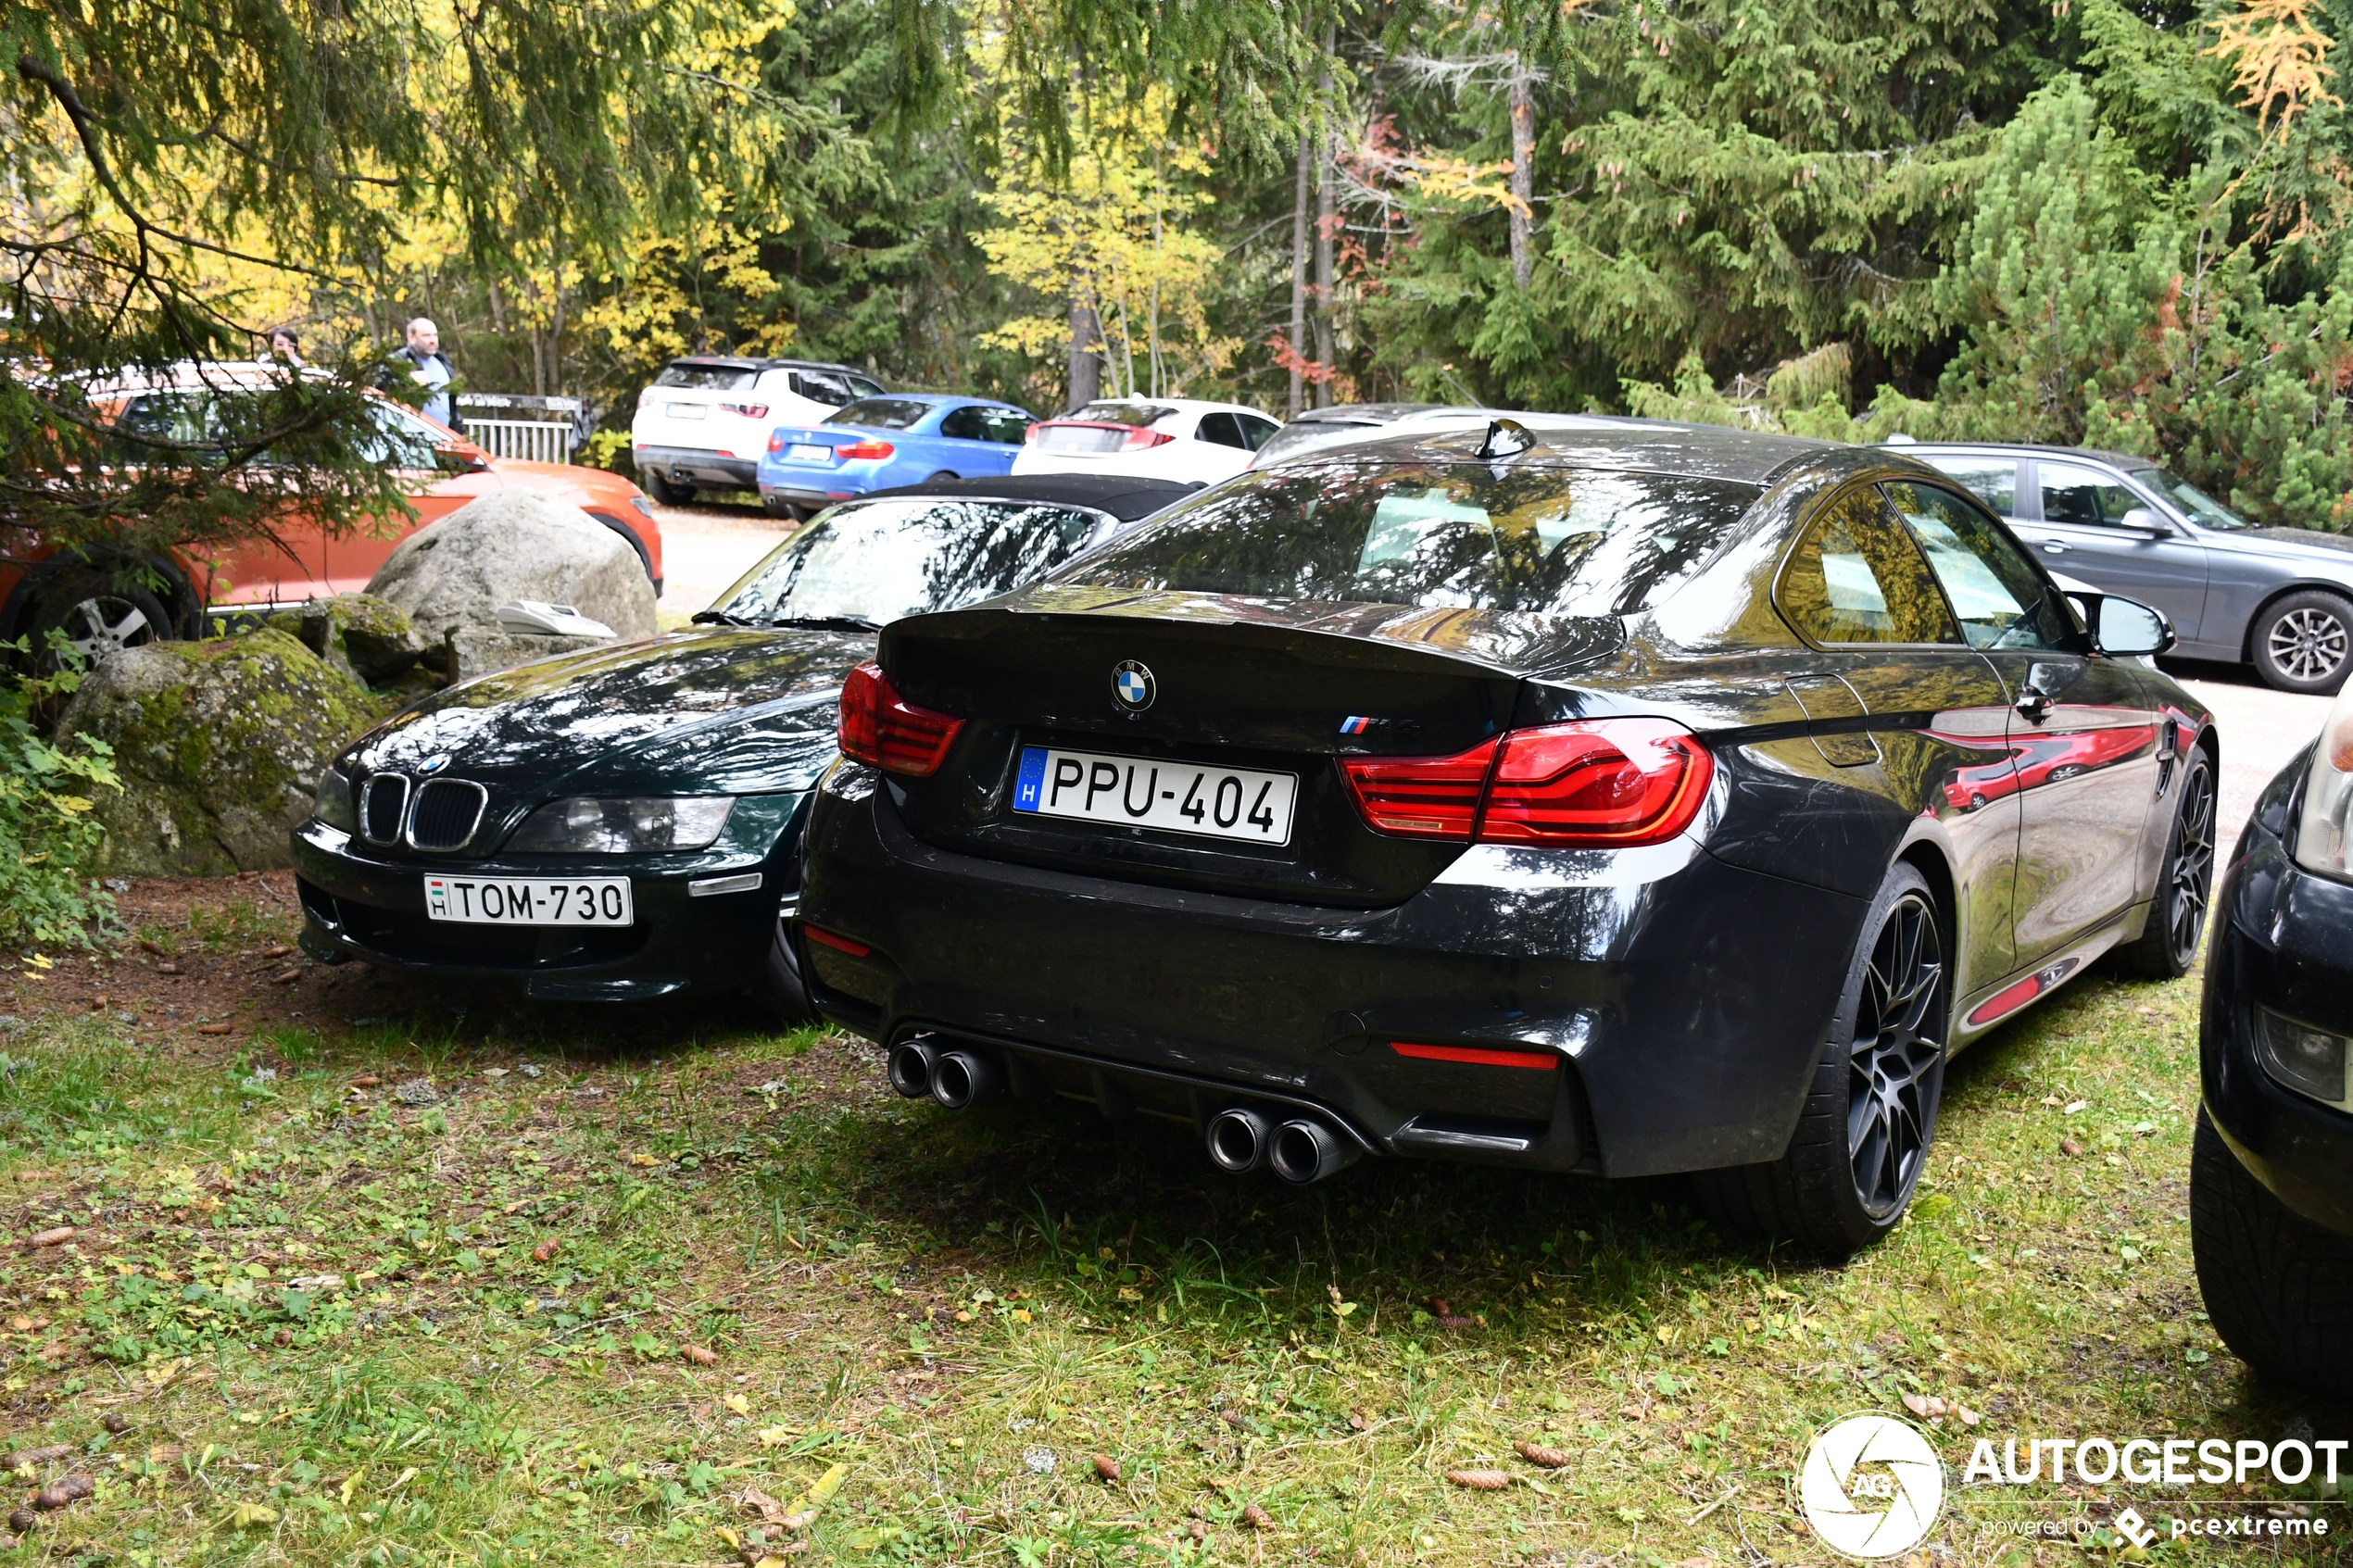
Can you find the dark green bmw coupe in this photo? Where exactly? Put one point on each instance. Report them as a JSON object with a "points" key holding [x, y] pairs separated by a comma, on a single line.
{"points": [[626, 823]]}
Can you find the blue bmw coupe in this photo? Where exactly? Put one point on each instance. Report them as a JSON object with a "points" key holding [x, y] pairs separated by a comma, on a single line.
{"points": [[877, 442]]}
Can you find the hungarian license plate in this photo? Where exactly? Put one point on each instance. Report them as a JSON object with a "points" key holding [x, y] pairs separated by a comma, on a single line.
{"points": [[686, 410], [530, 900], [1140, 792], [810, 452]]}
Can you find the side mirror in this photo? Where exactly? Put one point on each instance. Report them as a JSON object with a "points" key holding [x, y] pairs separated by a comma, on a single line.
{"points": [[2141, 519], [2125, 628], [458, 459]]}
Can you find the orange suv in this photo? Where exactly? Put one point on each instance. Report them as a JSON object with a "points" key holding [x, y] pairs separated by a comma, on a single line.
{"points": [[102, 609]]}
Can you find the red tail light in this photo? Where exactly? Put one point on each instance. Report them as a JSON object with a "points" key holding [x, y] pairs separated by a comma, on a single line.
{"points": [[868, 446], [883, 730], [1142, 437], [749, 411], [1591, 783], [776, 442], [1029, 436]]}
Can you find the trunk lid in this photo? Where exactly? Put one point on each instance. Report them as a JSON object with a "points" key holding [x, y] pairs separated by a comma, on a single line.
{"points": [[1266, 688]]}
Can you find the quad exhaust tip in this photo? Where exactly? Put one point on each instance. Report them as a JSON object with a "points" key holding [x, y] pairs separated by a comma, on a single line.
{"points": [[911, 1068], [1238, 1140], [1304, 1150], [960, 1078]]}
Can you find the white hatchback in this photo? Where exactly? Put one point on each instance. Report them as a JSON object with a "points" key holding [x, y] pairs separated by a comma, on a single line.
{"points": [[1179, 438], [704, 422]]}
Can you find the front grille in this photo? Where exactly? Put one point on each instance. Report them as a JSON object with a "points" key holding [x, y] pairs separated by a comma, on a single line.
{"points": [[447, 812], [384, 801]]}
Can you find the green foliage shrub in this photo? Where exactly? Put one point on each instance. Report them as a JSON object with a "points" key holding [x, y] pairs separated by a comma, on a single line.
{"points": [[48, 833]]}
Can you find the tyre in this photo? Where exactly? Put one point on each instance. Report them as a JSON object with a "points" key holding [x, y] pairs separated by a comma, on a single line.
{"points": [[1863, 1137], [779, 990], [2167, 945], [2304, 642], [2279, 1290], [943, 473], [659, 488], [99, 612]]}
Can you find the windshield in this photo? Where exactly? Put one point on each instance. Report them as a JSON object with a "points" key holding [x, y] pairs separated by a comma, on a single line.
{"points": [[881, 413], [1551, 540], [877, 560], [2202, 508], [707, 378]]}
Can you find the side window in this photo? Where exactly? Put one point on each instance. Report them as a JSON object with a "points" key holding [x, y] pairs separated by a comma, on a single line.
{"points": [[1992, 479], [1858, 578], [1255, 431], [2084, 496], [964, 424], [1221, 430], [2002, 601], [1007, 426], [824, 386]]}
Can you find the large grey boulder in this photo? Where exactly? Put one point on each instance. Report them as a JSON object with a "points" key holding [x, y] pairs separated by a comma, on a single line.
{"points": [[372, 640], [514, 545], [218, 745]]}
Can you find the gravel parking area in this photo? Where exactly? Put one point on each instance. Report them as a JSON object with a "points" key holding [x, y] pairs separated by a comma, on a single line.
{"points": [[2261, 730], [706, 548]]}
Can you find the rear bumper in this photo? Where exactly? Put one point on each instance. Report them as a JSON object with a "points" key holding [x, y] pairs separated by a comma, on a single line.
{"points": [[356, 903], [1670, 1006], [689, 465], [2286, 943]]}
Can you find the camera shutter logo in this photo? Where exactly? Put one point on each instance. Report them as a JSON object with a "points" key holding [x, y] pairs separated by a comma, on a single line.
{"points": [[1871, 1487]]}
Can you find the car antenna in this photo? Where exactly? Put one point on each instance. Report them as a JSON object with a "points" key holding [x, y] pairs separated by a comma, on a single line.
{"points": [[1505, 438]]}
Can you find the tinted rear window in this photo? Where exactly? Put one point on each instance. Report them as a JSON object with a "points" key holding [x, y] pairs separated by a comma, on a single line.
{"points": [[1122, 413], [1554, 541], [880, 413], [707, 378]]}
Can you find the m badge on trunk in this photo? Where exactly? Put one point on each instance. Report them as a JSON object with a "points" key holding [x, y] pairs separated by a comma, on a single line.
{"points": [[1132, 686]]}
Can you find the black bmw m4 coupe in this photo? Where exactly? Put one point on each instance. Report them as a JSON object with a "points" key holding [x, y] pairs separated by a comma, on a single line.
{"points": [[1628, 800]]}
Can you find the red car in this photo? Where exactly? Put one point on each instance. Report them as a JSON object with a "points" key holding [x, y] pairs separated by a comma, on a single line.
{"points": [[101, 610]]}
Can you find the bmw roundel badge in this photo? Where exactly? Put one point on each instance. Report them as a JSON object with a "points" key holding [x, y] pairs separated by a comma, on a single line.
{"points": [[433, 764], [1132, 685]]}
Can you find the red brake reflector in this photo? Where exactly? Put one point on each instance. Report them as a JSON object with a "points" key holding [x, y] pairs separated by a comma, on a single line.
{"points": [[883, 730], [840, 944], [2006, 1000], [1540, 1060]]}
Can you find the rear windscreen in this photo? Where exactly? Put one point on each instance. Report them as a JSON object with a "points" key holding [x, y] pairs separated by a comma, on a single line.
{"points": [[707, 378], [1122, 413], [880, 413], [883, 558], [1556, 540]]}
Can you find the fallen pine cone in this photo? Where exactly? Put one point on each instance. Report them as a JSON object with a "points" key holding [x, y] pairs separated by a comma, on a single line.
{"points": [[545, 1251], [52, 1236], [1480, 1480], [117, 1423], [2069, 1148], [72, 1489], [285, 978], [22, 1520], [1536, 1453], [1106, 1467], [366, 1081], [1258, 1518], [212, 1028], [276, 950], [701, 1355]]}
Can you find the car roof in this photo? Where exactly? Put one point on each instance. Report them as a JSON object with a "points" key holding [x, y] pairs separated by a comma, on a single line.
{"points": [[1369, 413], [1123, 496], [1177, 405], [1702, 451], [737, 362], [2024, 449], [939, 397]]}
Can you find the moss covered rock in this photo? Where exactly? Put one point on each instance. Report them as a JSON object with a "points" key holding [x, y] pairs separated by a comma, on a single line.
{"points": [[219, 745], [372, 640]]}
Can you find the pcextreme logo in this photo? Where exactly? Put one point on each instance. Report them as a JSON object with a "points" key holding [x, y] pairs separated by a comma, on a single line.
{"points": [[1871, 1485]]}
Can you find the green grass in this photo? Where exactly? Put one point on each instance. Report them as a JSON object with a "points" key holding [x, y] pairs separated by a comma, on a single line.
{"points": [[963, 1311]]}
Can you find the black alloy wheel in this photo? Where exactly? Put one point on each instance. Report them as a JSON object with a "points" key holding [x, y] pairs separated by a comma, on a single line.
{"points": [[1897, 1057], [2304, 642], [2167, 945], [1869, 1118], [662, 492]]}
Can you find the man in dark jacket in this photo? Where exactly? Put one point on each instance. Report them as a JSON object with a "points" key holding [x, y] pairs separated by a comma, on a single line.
{"points": [[433, 369]]}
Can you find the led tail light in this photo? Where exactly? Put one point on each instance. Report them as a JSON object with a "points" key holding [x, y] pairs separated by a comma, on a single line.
{"points": [[883, 730], [868, 446], [1591, 783], [1139, 436], [749, 411]]}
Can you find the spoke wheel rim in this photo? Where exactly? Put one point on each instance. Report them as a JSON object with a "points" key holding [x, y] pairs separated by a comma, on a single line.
{"points": [[1896, 1057], [105, 624], [2310, 644], [2193, 862]]}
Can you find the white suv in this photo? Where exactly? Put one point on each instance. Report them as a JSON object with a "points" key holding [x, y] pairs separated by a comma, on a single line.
{"points": [[1179, 438], [704, 422]]}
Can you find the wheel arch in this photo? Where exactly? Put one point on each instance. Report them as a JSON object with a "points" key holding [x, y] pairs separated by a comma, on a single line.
{"points": [[181, 597], [2281, 590]]}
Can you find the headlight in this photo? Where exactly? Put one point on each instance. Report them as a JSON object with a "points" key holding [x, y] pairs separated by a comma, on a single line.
{"points": [[332, 801], [2323, 836], [585, 825], [2309, 1060]]}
